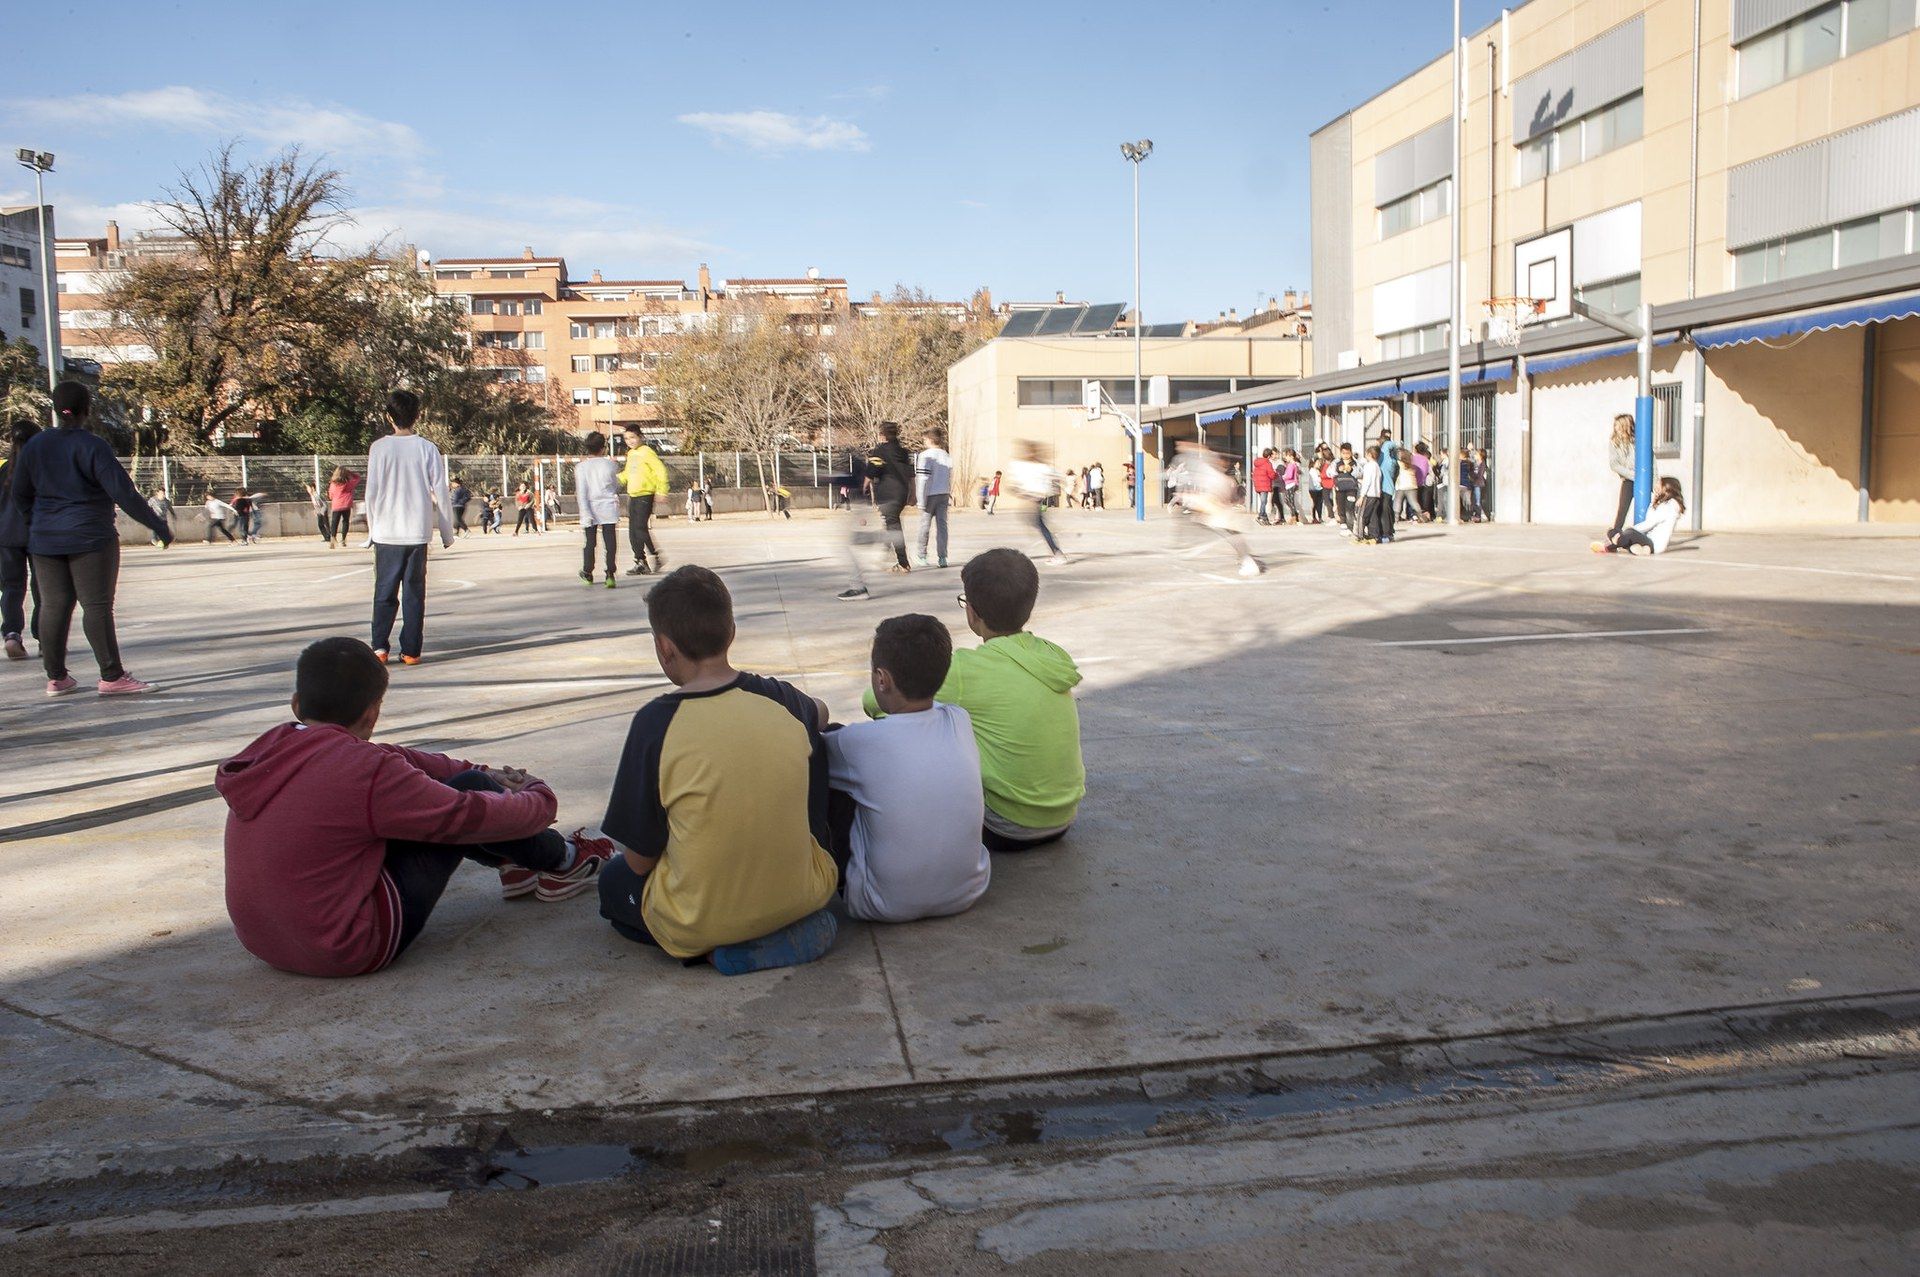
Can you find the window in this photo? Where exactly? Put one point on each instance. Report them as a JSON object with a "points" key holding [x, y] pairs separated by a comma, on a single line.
{"points": [[1814, 39], [606, 363], [1417, 208], [582, 395], [1869, 239], [649, 328], [603, 395], [456, 274], [506, 274], [480, 305], [649, 394], [603, 329], [537, 373], [531, 306], [15, 255], [650, 359], [581, 363], [29, 305], [1414, 341], [509, 308], [1620, 296], [536, 341], [1666, 420], [1053, 392], [1576, 141], [577, 330]]}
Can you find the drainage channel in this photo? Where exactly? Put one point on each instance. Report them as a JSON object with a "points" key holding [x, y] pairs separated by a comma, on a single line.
{"points": [[790, 1136]]}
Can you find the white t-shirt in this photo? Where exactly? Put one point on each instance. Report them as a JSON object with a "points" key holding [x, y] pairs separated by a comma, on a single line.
{"points": [[595, 485], [1035, 479], [1659, 524], [934, 472], [915, 780], [406, 492]]}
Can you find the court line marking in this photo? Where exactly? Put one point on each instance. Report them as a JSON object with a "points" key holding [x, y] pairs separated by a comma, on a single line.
{"points": [[1706, 563], [1541, 638], [349, 572]]}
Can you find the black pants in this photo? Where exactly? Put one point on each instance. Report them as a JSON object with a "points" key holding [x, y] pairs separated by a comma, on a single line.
{"points": [[220, 526], [523, 520], [400, 586], [1000, 842], [89, 580], [321, 520], [896, 536], [605, 534], [639, 533], [1344, 502], [459, 519], [840, 813], [17, 583], [337, 521], [1625, 507], [620, 892], [1370, 526], [420, 870], [1387, 501], [1626, 538]]}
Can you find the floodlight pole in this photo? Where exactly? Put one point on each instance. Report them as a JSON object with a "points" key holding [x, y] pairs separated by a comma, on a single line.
{"points": [[1135, 153], [41, 162], [1640, 329], [1454, 324]]}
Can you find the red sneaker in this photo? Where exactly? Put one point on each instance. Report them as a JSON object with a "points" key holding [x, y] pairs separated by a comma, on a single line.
{"points": [[588, 855], [517, 881]]}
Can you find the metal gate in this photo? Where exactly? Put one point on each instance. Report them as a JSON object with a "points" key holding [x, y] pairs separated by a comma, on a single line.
{"points": [[1361, 420]]}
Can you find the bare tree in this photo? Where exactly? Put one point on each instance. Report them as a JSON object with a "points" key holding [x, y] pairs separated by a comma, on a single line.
{"points": [[738, 381]]}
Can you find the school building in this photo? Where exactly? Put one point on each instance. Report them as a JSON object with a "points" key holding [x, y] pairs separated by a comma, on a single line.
{"points": [[1749, 168], [1028, 384]]}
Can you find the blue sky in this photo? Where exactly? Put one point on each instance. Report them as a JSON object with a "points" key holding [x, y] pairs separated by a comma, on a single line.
{"points": [[943, 146]]}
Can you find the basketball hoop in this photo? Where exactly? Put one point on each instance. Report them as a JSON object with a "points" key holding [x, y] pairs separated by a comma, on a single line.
{"points": [[1508, 317]]}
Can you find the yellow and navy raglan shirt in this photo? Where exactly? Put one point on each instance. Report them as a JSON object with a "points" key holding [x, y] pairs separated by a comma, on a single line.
{"points": [[729, 788]]}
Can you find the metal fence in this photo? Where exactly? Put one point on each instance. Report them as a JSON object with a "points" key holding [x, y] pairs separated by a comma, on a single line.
{"points": [[190, 478]]}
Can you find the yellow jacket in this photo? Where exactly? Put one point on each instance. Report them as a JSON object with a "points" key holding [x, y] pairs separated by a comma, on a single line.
{"points": [[644, 475]]}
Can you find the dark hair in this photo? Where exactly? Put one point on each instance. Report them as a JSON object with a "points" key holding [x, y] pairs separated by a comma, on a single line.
{"points": [[1670, 491], [1002, 586], [690, 608], [20, 431], [1421, 448], [71, 401], [1373, 450], [890, 431], [938, 436], [595, 442], [338, 680], [916, 650], [403, 408]]}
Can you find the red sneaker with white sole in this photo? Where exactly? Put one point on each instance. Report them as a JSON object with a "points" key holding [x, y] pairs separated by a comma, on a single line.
{"points": [[588, 855], [517, 881]]}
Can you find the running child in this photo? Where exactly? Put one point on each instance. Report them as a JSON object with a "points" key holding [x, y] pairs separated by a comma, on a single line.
{"points": [[719, 805], [906, 807], [338, 849]]}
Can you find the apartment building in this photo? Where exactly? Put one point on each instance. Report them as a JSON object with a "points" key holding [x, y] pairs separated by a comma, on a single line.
{"points": [[88, 266], [24, 295], [594, 343], [1748, 168]]}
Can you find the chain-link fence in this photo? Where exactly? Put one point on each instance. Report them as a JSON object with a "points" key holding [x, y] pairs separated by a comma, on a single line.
{"points": [[190, 478]]}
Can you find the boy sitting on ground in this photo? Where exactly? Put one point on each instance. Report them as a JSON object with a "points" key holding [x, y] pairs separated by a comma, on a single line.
{"points": [[337, 849], [905, 808], [719, 805], [1018, 690]]}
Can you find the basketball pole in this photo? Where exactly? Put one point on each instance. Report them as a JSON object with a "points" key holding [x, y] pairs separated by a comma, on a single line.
{"points": [[1454, 326]]}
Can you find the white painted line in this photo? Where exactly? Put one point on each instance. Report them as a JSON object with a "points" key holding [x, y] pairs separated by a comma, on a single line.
{"points": [[1787, 567], [166, 1221], [350, 572], [1542, 638]]}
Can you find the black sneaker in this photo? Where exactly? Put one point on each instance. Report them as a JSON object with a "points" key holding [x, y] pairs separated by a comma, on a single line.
{"points": [[639, 569], [587, 577], [856, 592]]}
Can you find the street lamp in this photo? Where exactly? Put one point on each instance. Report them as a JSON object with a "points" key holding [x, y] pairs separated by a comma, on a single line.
{"points": [[826, 362], [1135, 153], [41, 162]]}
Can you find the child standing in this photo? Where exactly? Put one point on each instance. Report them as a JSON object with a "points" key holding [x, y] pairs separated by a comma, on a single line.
{"points": [[1372, 499], [719, 804], [1017, 689], [906, 805], [596, 484], [337, 849]]}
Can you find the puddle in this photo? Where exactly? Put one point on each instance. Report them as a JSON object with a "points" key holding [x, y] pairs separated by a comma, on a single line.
{"points": [[560, 1164]]}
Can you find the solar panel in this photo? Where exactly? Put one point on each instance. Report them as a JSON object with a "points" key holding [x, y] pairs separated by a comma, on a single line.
{"points": [[1165, 330], [1023, 323], [1100, 319], [1060, 320]]}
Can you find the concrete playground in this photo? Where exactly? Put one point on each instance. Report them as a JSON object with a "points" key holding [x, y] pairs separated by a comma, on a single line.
{"points": [[1477, 782]]}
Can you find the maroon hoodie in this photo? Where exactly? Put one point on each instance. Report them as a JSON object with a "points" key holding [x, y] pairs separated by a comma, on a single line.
{"points": [[310, 809]]}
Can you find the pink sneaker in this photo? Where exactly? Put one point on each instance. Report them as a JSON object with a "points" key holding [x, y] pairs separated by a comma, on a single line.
{"points": [[126, 685], [588, 855], [60, 686]]}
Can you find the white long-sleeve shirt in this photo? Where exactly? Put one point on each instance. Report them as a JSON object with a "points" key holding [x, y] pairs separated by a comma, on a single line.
{"points": [[1659, 524], [406, 492], [596, 484], [933, 475]]}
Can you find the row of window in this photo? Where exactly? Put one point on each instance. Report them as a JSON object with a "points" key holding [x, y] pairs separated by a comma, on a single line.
{"points": [[1066, 392], [1414, 341], [535, 373], [474, 274], [1814, 39], [1850, 244], [16, 255], [648, 360], [1577, 141], [601, 395], [511, 340], [1427, 204], [501, 306]]}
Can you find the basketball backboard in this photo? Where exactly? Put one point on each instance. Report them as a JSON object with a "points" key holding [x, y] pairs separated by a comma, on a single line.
{"points": [[1543, 270]]}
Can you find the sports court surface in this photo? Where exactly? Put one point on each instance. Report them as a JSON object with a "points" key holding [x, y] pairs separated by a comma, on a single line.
{"points": [[1479, 779]]}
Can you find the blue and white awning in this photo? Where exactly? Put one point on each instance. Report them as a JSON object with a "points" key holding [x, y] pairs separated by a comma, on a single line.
{"points": [[1538, 365], [1215, 418], [1378, 390], [1302, 404], [1500, 371], [1852, 316]]}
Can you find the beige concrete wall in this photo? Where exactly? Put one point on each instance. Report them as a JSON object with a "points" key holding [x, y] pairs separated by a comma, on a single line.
{"points": [[1895, 482], [1783, 432], [1573, 414]]}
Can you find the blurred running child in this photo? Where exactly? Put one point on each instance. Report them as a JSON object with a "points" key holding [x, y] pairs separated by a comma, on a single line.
{"points": [[596, 485], [317, 499], [906, 805], [340, 491], [1037, 481], [161, 504], [461, 499], [337, 849], [220, 517], [1017, 689], [719, 803], [693, 503], [523, 509]]}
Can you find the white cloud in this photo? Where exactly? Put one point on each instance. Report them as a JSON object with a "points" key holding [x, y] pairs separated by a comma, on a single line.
{"points": [[778, 131], [589, 234], [182, 109]]}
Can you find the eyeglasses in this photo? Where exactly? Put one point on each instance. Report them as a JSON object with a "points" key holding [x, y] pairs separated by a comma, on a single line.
{"points": [[961, 599]]}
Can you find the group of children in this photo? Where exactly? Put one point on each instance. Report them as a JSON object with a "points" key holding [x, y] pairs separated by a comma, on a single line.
{"points": [[738, 811]]}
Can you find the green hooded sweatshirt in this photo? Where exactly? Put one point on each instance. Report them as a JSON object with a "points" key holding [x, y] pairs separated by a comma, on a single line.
{"points": [[1018, 690]]}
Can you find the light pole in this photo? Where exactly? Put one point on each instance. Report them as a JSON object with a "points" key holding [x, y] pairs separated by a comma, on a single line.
{"points": [[826, 362], [1452, 434], [1135, 153], [41, 162]]}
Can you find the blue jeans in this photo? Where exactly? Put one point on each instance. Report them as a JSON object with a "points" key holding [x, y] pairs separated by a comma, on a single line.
{"points": [[400, 584]]}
